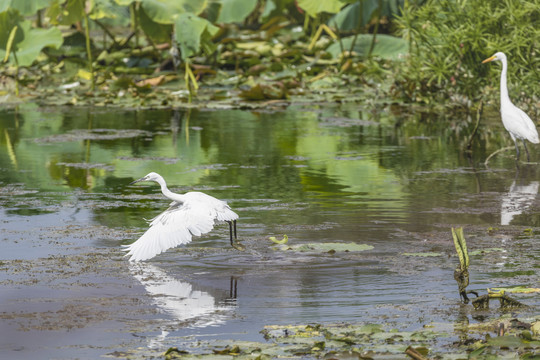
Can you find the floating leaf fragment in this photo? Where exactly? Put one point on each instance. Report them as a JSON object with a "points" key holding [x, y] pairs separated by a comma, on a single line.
{"points": [[535, 328], [483, 251], [84, 74], [234, 350], [279, 242], [288, 331], [508, 341], [265, 92], [152, 81], [516, 290], [174, 353]]}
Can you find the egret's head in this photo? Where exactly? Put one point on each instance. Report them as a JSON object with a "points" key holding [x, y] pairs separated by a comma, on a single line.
{"points": [[497, 57], [150, 177]]}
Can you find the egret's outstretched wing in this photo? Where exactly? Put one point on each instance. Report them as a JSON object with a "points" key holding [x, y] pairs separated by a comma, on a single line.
{"points": [[218, 209], [175, 226]]}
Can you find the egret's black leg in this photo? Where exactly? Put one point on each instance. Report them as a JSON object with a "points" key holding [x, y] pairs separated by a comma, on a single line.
{"points": [[233, 288], [234, 243], [231, 232], [526, 150], [517, 150]]}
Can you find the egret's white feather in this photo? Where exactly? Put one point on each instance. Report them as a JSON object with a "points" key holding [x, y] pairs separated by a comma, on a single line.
{"points": [[193, 213], [518, 123]]}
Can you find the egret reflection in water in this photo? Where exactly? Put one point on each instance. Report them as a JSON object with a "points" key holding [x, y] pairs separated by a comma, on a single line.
{"points": [[177, 298], [518, 199]]}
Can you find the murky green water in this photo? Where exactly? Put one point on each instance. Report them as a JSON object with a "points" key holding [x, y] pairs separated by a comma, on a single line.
{"points": [[396, 180]]}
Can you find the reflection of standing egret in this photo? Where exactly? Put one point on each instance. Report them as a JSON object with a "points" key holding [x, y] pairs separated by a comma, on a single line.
{"points": [[192, 213], [518, 199], [515, 121]]}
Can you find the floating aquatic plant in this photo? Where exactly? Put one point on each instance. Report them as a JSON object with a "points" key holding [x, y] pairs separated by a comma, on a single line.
{"points": [[461, 275]]}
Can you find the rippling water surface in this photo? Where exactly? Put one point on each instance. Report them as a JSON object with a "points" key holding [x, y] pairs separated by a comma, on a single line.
{"points": [[392, 179]]}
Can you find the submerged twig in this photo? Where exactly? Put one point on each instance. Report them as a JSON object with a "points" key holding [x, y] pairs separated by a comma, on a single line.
{"points": [[107, 32], [495, 153], [125, 42], [413, 353], [478, 117], [506, 302]]}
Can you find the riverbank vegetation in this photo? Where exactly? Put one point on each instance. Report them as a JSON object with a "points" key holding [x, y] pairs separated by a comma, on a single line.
{"points": [[171, 53]]}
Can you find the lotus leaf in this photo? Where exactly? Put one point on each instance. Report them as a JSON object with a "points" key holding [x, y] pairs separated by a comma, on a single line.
{"points": [[189, 31], [25, 7], [166, 11], [386, 46], [33, 41], [156, 31], [315, 7], [66, 14], [235, 11], [354, 16], [8, 20]]}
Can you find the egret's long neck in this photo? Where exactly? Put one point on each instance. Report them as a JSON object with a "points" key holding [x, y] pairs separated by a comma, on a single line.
{"points": [[504, 90], [168, 193]]}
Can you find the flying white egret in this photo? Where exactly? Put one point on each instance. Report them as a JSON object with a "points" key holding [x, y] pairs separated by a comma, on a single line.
{"points": [[192, 213], [515, 121]]}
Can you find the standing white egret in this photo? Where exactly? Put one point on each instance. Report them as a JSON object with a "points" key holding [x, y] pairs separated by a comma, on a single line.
{"points": [[516, 122], [192, 213]]}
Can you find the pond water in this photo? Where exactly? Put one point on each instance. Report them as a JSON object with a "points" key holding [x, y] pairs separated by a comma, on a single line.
{"points": [[392, 178]]}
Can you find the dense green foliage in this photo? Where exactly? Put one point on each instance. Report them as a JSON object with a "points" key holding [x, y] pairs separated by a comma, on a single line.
{"points": [[120, 44], [270, 48], [450, 38]]}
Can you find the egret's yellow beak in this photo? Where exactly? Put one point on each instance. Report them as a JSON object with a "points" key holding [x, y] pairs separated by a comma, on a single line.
{"points": [[489, 59]]}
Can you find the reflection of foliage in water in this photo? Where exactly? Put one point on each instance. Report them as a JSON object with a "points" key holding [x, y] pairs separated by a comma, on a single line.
{"points": [[331, 158]]}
